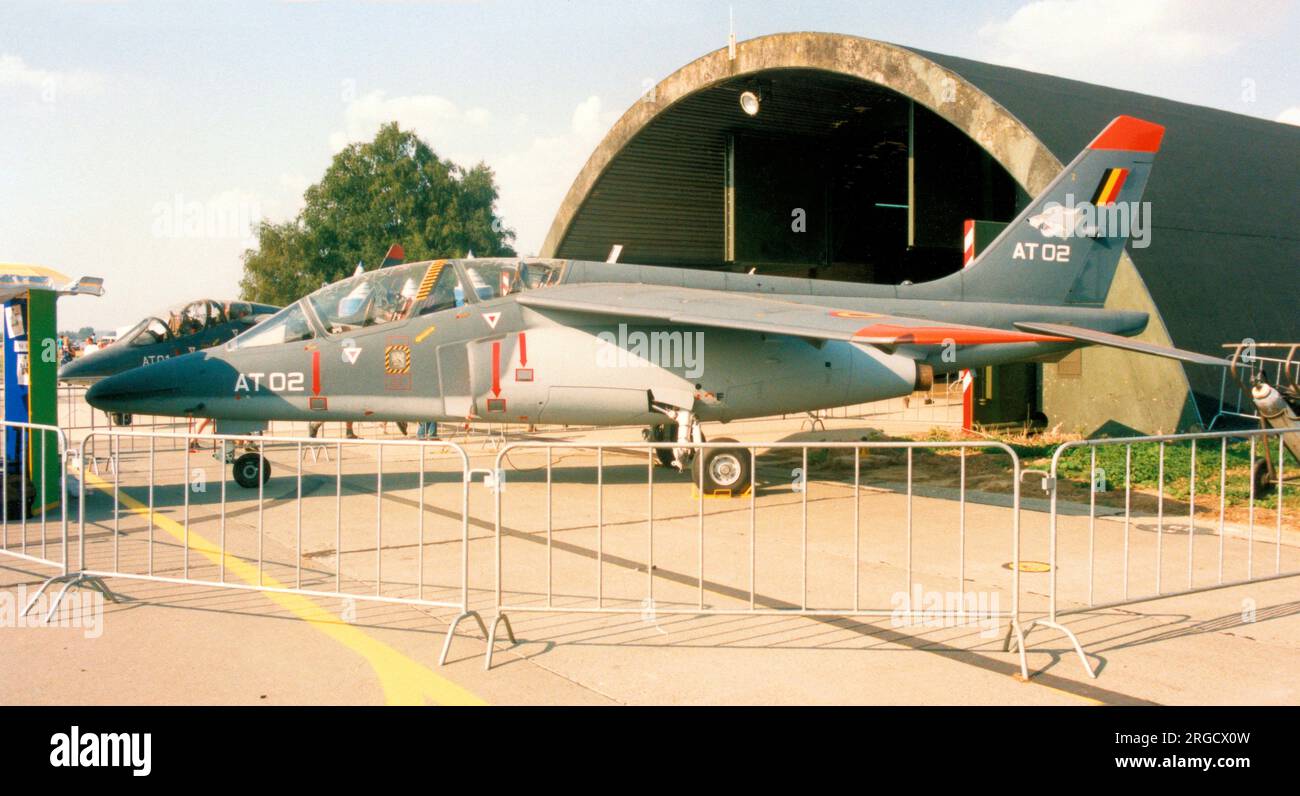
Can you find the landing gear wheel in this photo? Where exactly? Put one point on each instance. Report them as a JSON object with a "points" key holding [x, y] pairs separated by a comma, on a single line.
{"points": [[119, 419], [724, 470], [1262, 478], [246, 469]]}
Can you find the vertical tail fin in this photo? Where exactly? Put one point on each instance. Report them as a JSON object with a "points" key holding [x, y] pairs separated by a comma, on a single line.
{"points": [[395, 256], [1065, 246]]}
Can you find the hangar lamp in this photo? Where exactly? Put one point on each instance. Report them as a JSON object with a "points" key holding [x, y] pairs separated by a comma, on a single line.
{"points": [[749, 103]]}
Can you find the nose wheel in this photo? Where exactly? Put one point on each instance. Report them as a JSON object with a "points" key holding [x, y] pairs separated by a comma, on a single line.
{"points": [[247, 469]]}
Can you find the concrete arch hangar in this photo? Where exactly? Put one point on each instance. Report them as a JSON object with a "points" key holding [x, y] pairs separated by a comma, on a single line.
{"points": [[855, 160]]}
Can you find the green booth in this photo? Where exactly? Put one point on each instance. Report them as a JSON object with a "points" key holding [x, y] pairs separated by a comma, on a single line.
{"points": [[31, 370]]}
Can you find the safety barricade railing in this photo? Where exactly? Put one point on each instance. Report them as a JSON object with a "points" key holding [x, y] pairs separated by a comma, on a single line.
{"points": [[615, 553], [1235, 401], [1124, 528], [394, 527], [33, 494]]}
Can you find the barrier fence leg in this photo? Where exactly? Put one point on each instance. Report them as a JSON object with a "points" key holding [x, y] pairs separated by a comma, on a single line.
{"points": [[71, 579], [1049, 483], [1016, 636], [492, 637], [1078, 648], [446, 644]]}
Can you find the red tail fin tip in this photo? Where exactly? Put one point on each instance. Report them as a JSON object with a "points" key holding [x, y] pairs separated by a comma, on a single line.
{"points": [[1130, 134]]}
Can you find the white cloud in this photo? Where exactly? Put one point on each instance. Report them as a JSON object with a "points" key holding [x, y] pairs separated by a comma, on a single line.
{"points": [[1088, 39], [436, 119], [587, 120], [1290, 115], [534, 177], [17, 74]]}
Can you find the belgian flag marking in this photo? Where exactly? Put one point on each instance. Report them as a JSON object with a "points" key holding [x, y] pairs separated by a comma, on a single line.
{"points": [[1108, 188]]}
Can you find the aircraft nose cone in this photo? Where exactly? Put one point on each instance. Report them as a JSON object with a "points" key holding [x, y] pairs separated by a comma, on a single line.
{"points": [[72, 371], [78, 370], [139, 390]]}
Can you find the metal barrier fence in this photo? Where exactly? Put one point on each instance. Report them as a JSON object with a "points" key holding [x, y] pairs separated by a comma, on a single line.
{"points": [[19, 541], [622, 538], [629, 542], [1116, 546], [78, 418], [1234, 396], [140, 522]]}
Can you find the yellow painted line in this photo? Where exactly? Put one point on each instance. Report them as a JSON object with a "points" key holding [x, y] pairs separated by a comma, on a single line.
{"points": [[419, 338], [405, 681], [1091, 702]]}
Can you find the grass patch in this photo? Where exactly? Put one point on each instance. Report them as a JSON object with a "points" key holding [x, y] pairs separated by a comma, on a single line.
{"points": [[1139, 464]]}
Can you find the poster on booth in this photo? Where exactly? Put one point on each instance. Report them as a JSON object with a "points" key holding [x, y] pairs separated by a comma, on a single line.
{"points": [[14, 321]]}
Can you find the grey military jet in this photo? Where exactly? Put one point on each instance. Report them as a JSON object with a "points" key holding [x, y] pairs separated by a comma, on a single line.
{"points": [[570, 342], [180, 329]]}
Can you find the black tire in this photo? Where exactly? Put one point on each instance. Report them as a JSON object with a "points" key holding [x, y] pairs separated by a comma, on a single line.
{"points": [[246, 468], [1262, 477], [666, 433], [724, 471]]}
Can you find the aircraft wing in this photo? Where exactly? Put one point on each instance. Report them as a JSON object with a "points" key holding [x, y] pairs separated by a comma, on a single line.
{"points": [[758, 313], [1115, 341]]}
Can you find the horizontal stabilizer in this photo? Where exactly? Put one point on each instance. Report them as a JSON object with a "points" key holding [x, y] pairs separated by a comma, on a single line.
{"points": [[1125, 343]]}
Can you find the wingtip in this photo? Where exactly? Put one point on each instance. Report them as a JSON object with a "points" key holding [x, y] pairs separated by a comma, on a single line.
{"points": [[1130, 134]]}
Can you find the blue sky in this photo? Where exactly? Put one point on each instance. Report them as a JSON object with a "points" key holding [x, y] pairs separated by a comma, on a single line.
{"points": [[141, 139]]}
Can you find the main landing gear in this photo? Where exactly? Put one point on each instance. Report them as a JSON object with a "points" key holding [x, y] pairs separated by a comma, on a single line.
{"points": [[718, 471], [723, 470]]}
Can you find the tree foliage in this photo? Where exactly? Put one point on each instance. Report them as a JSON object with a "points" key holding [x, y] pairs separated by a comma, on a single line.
{"points": [[394, 189]]}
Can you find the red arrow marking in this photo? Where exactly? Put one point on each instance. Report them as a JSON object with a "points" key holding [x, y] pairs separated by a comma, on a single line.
{"points": [[523, 349], [496, 368], [315, 373]]}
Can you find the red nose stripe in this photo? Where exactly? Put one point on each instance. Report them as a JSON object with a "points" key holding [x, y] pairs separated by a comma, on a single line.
{"points": [[890, 334]]}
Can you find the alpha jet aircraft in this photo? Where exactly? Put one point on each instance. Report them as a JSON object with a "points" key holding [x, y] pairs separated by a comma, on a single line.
{"points": [[569, 342], [180, 329]]}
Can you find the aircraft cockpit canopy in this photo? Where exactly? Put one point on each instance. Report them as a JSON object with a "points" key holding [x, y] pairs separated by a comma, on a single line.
{"points": [[408, 291], [182, 320]]}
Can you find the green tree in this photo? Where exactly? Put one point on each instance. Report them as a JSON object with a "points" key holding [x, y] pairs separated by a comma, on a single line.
{"points": [[394, 189]]}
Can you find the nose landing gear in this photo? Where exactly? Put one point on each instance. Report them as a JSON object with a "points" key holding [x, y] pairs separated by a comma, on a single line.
{"points": [[247, 467]]}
